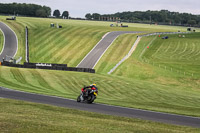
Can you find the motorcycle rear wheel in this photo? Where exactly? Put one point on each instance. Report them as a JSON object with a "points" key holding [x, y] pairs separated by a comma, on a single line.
{"points": [[90, 99]]}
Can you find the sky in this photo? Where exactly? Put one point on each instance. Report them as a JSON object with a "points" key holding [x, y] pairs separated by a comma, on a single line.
{"points": [[79, 8]]}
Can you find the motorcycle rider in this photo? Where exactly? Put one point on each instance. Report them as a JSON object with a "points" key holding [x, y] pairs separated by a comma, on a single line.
{"points": [[86, 91]]}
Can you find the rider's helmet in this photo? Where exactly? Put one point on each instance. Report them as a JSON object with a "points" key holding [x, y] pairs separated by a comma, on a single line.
{"points": [[94, 84]]}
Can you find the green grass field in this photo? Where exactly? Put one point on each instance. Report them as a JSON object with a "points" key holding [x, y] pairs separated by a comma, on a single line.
{"points": [[177, 53], [180, 54], [51, 45], [176, 98], [19, 116], [1, 41], [174, 61], [163, 78]]}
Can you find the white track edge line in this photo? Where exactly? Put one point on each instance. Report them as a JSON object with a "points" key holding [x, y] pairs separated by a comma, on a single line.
{"points": [[147, 111], [104, 52], [102, 104], [4, 41], [108, 48], [35, 93]]}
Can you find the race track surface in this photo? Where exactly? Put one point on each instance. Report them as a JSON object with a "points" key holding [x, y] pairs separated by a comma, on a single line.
{"points": [[10, 45], [101, 108], [95, 54]]}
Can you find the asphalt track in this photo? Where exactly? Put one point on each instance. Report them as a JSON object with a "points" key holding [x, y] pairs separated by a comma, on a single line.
{"points": [[10, 43], [102, 108], [96, 53]]}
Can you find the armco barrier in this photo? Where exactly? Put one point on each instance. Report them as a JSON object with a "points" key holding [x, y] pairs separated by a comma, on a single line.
{"points": [[62, 67], [81, 69], [5, 63]]}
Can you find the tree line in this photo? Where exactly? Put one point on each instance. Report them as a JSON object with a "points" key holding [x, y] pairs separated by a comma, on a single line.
{"points": [[57, 14], [153, 17], [31, 10]]}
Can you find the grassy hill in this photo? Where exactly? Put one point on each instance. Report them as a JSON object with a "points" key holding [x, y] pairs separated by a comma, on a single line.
{"points": [[174, 98], [174, 55], [51, 45], [159, 78], [179, 53], [174, 62], [19, 116]]}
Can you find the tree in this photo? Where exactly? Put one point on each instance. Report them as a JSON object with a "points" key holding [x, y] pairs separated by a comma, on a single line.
{"points": [[65, 14], [41, 13], [95, 16], [192, 22], [88, 16], [47, 10], [56, 13], [32, 10]]}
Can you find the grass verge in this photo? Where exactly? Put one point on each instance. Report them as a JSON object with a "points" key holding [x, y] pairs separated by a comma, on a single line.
{"points": [[20, 116]]}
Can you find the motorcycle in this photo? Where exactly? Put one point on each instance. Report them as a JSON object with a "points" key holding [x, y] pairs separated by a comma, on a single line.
{"points": [[88, 95]]}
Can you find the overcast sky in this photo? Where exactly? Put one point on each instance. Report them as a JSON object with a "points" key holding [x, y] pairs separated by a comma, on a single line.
{"points": [[78, 8]]}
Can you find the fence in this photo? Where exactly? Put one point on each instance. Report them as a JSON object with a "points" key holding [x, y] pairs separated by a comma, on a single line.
{"points": [[172, 69]]}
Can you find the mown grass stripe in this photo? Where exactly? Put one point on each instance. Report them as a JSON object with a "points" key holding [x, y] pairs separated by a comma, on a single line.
{"points": [[71, 45], [75, 48], [51, 34], [11, 84], [73, 86], [81, 51], [26, 23], [64, 84], [53, 37], [52, 49], [42, 81], [190, 52]]}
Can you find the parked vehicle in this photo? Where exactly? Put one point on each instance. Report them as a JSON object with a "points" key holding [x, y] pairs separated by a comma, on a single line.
{"points": [[165, 37]]}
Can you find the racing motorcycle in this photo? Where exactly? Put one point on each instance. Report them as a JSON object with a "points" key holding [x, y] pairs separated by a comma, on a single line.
{"points": [[87, 95]]}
